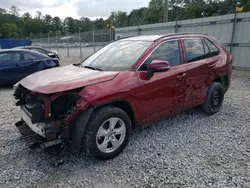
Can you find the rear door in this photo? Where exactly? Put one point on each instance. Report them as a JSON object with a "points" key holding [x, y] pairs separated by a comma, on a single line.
{"points": [[28, 64], [9, 73], [212, 55], [197, 72]]}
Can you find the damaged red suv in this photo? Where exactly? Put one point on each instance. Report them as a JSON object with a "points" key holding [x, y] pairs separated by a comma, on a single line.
{"points": [[94, 105]]}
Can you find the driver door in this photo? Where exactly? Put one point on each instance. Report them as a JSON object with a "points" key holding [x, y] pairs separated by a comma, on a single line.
{"points": [[162, 95]]}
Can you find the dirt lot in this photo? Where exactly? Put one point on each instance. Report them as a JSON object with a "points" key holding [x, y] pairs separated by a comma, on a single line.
{"points": [[187, 150]]}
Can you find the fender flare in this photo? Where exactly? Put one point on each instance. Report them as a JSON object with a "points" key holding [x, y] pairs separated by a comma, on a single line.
{"points": [[79, 129]]}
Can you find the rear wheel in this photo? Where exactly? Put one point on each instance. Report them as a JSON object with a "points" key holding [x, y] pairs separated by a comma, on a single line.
{"points": [[107, 133], [214, 98]]}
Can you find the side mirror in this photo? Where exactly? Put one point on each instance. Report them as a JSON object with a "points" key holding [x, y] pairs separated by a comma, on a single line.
{"points": [[157, 66]]}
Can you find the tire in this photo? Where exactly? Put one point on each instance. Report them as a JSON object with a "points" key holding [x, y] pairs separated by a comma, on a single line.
{"points": [[214, 98], [101, 122]]}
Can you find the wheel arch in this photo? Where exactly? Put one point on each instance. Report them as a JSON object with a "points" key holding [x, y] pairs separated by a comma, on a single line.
{"points": [[82, 121], [223, 79], [125, 106]]}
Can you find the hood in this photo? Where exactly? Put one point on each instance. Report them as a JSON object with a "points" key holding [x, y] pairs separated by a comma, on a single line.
{"points": [[64, 78]]}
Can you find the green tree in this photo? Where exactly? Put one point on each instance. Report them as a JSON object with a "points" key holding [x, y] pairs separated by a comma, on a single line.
{"points": [[120, 19], [155, 11], [14, 11], [39, 15], [26, 16], [85, 24], [56, 24], [194, 10], [58, 33], [69, 25], [9, 31]]}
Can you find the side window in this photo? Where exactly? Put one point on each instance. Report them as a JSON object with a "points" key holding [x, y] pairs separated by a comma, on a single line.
{"points": [[38, 50], [213, 50], [5, 57], [29, 57], [194, 49], [205, 47], [168, 51], [10, 56]]}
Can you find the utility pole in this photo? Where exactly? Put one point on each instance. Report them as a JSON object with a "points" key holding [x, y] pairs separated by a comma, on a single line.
{"points": [[166, 10]]}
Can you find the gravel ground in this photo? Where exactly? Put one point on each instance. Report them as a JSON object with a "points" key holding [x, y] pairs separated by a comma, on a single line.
{"points": [[187, 150]]}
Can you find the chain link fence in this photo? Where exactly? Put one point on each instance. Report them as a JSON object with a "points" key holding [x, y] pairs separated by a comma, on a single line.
{"points": [[80, 44]]}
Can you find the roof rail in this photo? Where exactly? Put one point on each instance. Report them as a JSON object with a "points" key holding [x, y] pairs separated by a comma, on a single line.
{"points": [[173, 34]]}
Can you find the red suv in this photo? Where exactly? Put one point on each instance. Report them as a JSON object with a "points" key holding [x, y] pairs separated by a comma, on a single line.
{"points": [[94, 105]]}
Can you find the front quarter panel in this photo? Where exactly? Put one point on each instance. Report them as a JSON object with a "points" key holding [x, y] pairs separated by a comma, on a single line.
{"points": [[122, 87]]}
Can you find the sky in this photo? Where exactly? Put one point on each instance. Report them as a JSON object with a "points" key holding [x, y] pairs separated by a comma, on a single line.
{"points": [[74, 8]]}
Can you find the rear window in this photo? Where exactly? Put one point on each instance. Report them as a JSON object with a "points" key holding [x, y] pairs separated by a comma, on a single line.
{"points": [[29, 57], [213, 50], [194, 49]]}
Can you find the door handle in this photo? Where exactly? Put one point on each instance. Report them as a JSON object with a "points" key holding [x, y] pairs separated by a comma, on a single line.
{"points": [[180, 77], [212, 65]]}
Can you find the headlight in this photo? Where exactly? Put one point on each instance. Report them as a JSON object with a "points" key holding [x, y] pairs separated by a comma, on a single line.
{"points": [[63, 105]]}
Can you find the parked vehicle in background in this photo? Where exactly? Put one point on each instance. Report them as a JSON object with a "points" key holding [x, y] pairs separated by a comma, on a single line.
{"points": [[52, 54], [96, 104], [15, 64]]}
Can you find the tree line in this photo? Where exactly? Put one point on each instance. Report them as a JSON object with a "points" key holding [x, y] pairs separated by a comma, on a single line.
{"points": [[14, 25]]}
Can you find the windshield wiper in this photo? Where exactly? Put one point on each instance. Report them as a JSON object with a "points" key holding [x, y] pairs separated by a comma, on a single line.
{"points": [[93, 68]]}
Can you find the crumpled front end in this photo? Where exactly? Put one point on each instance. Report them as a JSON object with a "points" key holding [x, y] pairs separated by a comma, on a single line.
{"points": [[47, 120]]}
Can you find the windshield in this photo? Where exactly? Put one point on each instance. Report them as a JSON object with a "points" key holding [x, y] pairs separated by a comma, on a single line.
{"points": [[117, 56]]}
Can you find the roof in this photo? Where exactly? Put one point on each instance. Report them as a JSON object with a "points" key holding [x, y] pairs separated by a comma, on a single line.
{"points": [[15, 50], [144, 38], [24, 47], [154, 38], [24, 50], [33, 47]]}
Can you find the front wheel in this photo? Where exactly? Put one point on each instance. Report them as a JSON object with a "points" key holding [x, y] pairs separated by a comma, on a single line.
{"points": [[214, 98], [107, 133]]}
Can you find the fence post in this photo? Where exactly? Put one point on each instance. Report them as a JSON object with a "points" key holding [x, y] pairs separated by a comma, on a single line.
{"points": [[67, 40], [57, 44], [176, 17], [111, 24], [48, 41], [138, 31], [41, 39], [80, 42], [233, 31], [94, 36]]}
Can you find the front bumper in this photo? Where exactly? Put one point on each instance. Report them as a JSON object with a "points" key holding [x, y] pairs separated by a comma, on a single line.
{"points": [[33, 140], [38, 135], [38, 128], [44, 130]]}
